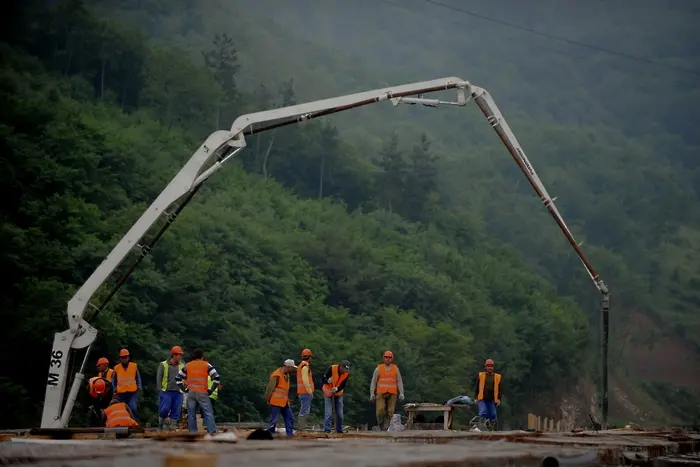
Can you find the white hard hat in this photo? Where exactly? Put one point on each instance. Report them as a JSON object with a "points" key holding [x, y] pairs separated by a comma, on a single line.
{"points": [[290, 362]]}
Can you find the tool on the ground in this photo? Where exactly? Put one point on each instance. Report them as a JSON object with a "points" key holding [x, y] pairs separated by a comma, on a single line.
{"points": [[219, 148]]}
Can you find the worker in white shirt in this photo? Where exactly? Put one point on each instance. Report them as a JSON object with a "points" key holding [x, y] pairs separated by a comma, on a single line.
{"points": [[385, 387]]}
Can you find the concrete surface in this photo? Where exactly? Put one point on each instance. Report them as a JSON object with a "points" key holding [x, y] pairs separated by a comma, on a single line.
{"points": [[405, 449]]}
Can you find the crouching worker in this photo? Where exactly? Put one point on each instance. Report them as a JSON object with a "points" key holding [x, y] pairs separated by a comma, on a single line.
{"points": [[119, 414], [101, 394]]}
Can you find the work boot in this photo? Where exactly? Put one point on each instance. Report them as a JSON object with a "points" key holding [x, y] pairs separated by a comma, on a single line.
{"points": [[301, 423], [161, 424], [380, 422]]}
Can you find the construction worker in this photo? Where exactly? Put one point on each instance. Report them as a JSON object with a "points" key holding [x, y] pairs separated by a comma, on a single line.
{"points": [[101, 392], [385, 387], [103, 369], [277, 396], [305, 387], [336, 378], [193, 379], [126, 381], [119, 414], [170, 394], [488, 391]]}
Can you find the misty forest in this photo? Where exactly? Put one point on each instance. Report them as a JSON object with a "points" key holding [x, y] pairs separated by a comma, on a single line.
{"points": [[405, 228]]}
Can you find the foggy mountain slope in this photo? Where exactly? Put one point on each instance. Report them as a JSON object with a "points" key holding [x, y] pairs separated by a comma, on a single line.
{"points": [[613, 138], [419, 39]]}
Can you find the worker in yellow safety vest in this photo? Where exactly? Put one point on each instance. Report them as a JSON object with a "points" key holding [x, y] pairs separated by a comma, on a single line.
{"points": [[126, 381], [118, 414], [305, 387], [488, 391], [336, 377], [386, 387], [277, 396], [170, 394]]}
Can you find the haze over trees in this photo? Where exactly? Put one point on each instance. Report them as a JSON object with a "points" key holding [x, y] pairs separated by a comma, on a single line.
{"points": [[401, 228]]}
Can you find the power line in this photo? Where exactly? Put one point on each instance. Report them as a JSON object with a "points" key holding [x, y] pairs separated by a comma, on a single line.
{"points": [[562, 39]]}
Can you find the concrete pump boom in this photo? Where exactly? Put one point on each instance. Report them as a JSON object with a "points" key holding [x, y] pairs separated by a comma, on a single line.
{"points": [[218, 148]]}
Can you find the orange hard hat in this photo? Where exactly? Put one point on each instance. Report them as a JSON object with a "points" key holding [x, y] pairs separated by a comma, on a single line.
{"points": [[102, 361], [389, 353], [306, 353], [488, 362], [123, 353], [98, 387], [177, 350]]}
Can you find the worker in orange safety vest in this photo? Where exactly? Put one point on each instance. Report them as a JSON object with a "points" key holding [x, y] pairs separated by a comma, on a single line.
{"points": [[305, 387], [118, 414], [488, 391], [277, 396], [193, 379], [336, 377], [385, 388], [126, 381]]}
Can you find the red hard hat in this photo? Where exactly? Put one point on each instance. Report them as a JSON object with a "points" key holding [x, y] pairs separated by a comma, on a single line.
{"points": [[389, 353], [177, 350], [123, 353], [306, 353], [488, 362], [102, 361], [98, 387]]}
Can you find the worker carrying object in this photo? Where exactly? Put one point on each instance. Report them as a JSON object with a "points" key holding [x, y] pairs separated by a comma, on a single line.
{"points": [[385, 388], [305, 387], [119, 414], [336, 377], [277, 396], [193, 378], [488, 391], [126, 381], [170, 394]]}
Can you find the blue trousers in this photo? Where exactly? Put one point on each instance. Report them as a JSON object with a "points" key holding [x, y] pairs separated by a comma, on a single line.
{"points": [[305, 408], [328, 415], [132, 400], [197, 401], [287, 415], [487, 409], [170, 404]]}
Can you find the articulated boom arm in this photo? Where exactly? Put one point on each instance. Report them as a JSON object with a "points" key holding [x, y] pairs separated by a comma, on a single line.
{"points": [[219, 147]]}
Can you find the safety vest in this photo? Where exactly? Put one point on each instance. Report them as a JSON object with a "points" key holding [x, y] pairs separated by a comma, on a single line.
{"points": [[482, 383], [106, 374], [336, 379], [387, 379], [166, 367], [301, 389], [197, 375], [210, 384], [117, 415], [280, 396], [126, 378]]}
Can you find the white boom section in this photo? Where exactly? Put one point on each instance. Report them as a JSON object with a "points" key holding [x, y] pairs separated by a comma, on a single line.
{"points": [[209, 157]]}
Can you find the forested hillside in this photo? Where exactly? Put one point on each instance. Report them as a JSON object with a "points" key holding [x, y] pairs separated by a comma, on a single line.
{"points": [[321, 235]]}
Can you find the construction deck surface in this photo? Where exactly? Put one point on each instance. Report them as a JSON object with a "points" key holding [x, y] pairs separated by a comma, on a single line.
{"points": [[408, 448]]}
